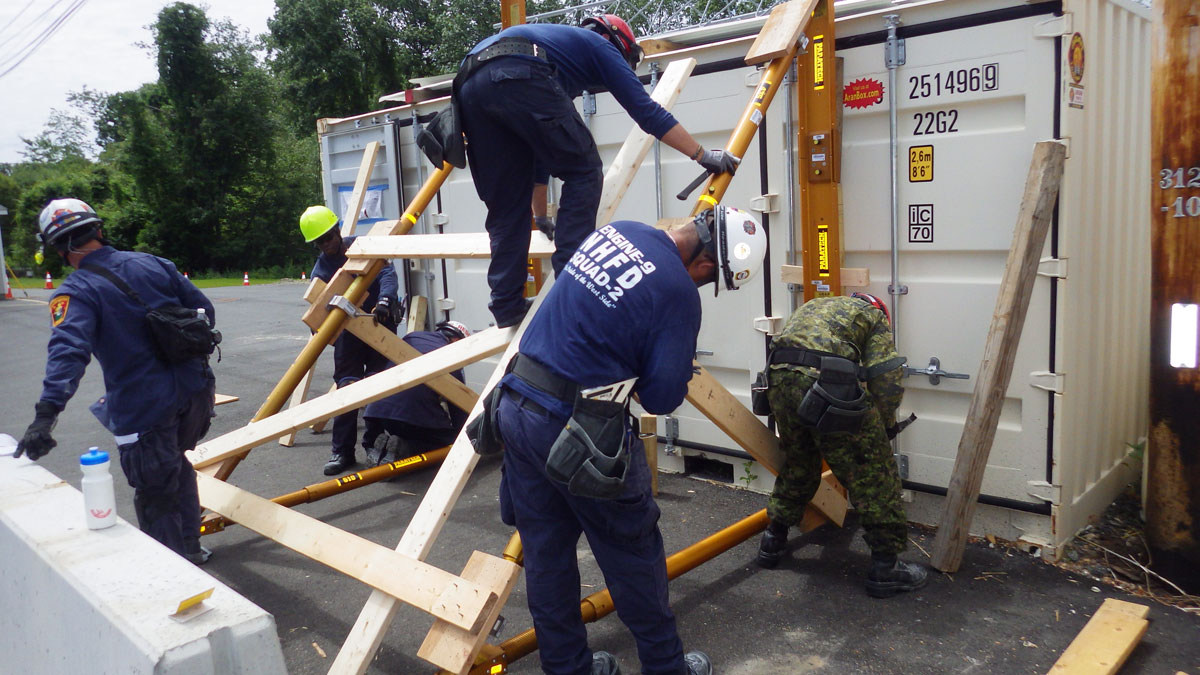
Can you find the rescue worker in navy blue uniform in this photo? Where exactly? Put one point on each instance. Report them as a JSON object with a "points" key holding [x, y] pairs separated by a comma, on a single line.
{"points": [[626, 305], [353, 359], [156, 411], [514, 92], [418, 419]]}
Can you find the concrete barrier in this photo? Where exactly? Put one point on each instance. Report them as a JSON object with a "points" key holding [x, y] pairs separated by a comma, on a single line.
{"points": [[73, 600]]}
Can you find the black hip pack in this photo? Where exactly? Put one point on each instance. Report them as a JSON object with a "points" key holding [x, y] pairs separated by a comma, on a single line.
{"points": [[837, 402], [177, 333]]}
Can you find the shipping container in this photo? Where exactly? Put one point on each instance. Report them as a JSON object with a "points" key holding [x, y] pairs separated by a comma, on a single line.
{"points": [[978, 83]]}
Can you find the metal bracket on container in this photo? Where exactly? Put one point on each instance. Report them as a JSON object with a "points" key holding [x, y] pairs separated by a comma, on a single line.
{"points": [[1056, 27], [935, 372], [589, 103], [903, 290], [771, 325], [704, 352], [671, 434], [1047, 381], [438, 220], [1047, 492], [902, 464], [768, 203], [340, 302], [893, 49], [1055, 268], [445, 304]]}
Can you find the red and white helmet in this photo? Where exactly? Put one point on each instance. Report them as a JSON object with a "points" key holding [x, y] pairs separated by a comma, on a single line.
{"points": [[453, 330], [619, 33], [874, 301], [65, 218]]}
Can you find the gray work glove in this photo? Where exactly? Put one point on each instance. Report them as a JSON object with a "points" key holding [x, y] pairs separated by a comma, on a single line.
{"points": [[718, 162], [546, 225], [37, 440]]}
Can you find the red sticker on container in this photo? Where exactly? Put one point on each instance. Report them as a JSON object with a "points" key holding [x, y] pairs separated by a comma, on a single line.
{"points": [[862, 93]]}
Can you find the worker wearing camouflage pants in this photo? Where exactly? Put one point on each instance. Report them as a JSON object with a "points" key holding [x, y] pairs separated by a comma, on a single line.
{"points": [[859, 330]]}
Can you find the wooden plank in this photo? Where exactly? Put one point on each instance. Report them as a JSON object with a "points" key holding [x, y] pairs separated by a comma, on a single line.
{"points": [[418, 310], [298, 395], [417, 371], [383, 228], [397, 350], [222, 399], [461, 602], [648, 426], [452, 648], [1106, 641], [855, 277], [1004, 335], [652, 46], [354, 208], [319, 425], [464, 245], [316, 313], [368, 630], [781, 31], [637, 143], [315, 287]]}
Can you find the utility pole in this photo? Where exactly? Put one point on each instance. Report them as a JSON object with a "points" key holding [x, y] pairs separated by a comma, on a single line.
{"points": [[1173, 479]]}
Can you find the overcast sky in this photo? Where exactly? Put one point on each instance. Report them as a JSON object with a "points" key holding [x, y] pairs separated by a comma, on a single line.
{"points": [[96, 46]]}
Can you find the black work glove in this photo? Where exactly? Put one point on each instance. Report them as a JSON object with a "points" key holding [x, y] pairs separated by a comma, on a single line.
{"points": [[383, 310], [37, 440], [718, 161], [546, 225]]}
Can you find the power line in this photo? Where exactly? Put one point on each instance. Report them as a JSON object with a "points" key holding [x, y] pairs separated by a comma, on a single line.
{"points": [[14, 19], [41, 39], [29, 26]]}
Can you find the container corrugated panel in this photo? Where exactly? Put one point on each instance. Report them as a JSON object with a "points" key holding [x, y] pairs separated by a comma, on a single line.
{"points": [[1104, 235]]}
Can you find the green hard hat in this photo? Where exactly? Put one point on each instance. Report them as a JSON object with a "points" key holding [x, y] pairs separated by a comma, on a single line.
{"points": [[316, 221]]}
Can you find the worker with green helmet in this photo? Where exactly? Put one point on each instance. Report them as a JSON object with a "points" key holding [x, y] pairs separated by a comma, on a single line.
{"points": [[352, 358]]}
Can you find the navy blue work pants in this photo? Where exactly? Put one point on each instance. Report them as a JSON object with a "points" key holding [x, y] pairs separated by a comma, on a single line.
{"points": [[623, 534], [162, 478], [417, 439], [353, 360], [516, 114]]}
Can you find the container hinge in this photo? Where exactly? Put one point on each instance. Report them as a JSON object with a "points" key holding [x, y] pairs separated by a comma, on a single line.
{"points": [[439, 220], [1047, 492], [1047, 381], [771, 325], [671, 434], [902, 465], [893, 50], [768, 203], [1055, 268], [1055, 27], [589, 103]]}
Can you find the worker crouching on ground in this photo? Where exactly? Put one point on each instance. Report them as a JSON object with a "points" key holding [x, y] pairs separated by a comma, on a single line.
{"points": [[514, 92], [417, 419], [157, 404], [829, 346], [353, 359], [622, 318]]}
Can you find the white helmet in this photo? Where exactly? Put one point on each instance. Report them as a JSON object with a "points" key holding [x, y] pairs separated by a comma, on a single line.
{"points": [[65, 218], [736, 241], [453, 330]]}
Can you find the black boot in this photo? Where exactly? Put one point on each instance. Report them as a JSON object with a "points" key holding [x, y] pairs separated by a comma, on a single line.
{"points": [[377, 450], [771, 548], [338, 463], [604, 663], [890, 576]]}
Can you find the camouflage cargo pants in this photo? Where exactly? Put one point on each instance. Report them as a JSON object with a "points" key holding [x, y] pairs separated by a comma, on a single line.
{"points": [[862, 462]]}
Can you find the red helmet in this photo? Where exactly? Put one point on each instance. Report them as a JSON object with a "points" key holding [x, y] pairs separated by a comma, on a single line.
{"points": [[619, 33], [874, 301]]}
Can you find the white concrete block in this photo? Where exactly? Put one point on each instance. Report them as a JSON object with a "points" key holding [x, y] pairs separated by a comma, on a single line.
{"points": [[74, 600]]}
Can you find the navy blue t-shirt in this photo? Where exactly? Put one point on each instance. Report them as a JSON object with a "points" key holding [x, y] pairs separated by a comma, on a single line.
{"points": [[623, 306], [587, 60]]}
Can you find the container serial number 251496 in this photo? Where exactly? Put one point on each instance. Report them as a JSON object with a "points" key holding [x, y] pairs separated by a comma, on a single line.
{"points": [[1179, 179], [956, 81]]}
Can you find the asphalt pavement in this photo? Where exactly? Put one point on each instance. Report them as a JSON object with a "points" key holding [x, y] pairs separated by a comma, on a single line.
{"points": [[1003, 612]]}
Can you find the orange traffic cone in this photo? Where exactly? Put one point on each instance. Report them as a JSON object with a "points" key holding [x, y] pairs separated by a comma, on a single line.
{"points": [[185, 276], [302, 277], [49, 282], [246, 279], [8, 292]]}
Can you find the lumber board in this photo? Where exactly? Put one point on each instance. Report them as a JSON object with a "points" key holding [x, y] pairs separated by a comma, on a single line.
{"points": [[780, 32], [452, 648], [1106, 641], [652, 46], [298, 395], [854, 277], [372, 623], [464, 245], [410, 374], [383, 228], [648, 428], [398, 351], [222, 399], [637, 143], [418, 310], [319, 425], [338, 284], [315, 287], [461, 602], [354, 208], [1000, 350]]}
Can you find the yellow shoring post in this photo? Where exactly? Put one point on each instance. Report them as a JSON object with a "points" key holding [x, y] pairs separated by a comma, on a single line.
{"points": [[747, 126], [337, 318]]}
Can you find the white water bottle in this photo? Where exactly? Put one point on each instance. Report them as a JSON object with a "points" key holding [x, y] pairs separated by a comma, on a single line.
{"points": [[99, 501]]}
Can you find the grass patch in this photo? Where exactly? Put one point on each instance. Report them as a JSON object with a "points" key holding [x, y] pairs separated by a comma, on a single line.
{"points": [[230, 281]]}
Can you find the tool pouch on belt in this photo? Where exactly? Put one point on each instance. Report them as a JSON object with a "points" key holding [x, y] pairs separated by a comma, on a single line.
{"points": [[836, 403], [442, 139], [758, 395], [483, 432], [590, 455]]}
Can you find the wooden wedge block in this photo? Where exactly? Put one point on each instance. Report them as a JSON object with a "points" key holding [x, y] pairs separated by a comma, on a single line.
{"points": [[315, 315], [854, 277], [397, 350], [783, 28], [465, 245], [418, 310], [452, 648], [1107, 639], [222, 399], [354, 208], [460, 602]]}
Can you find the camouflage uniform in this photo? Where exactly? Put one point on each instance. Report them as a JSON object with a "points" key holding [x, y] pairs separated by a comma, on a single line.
{"points": [[863, 462]]}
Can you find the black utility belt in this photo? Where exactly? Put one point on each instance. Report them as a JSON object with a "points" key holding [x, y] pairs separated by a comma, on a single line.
{"points": [[812, 358], [501, 47]]}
